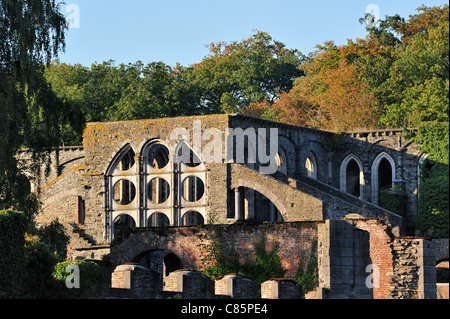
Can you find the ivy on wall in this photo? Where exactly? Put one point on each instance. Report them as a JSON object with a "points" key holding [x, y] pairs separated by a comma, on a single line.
{"points": [[433, 210]]}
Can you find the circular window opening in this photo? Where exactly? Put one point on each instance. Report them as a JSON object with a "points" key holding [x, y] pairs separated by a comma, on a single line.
{"points": [[193, 189], [158, 190], [124, 192], [158, 220], [193, 218], [123, 221]]}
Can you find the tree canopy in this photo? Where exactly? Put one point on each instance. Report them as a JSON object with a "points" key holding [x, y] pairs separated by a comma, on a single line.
{"points": [[32, 32], [397, 76]]}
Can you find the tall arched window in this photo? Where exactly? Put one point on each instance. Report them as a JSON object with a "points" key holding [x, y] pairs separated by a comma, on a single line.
{"points": [[311, 166], [122, 180], [281, 161], [157, 177], [191, 183], [383, 175], [155, 188], [352, 176]]}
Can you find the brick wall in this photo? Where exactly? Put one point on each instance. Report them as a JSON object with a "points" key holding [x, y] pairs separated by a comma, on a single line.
{"points": [[381, 253], [190, 244]]}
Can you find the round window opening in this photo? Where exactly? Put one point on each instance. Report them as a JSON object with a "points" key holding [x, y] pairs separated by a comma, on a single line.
{"points": [[158, 190], [124, 192], [193, 189]]}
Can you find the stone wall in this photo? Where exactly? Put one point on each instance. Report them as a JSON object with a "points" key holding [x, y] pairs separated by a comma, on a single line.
{"points": [[343, 256], [280, 289], [134, 281], [235, 286], [362, 259], [60, 198], [414, 275], [357, 258], [137, 282], [191, 244], [313, 199]]}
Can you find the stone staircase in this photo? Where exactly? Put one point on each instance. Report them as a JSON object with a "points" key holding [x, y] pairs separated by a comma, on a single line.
{"points": [[82, 246], [299, 197]]}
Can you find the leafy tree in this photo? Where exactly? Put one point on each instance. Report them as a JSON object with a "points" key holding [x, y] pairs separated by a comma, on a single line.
{"points": [[91, 277], [12, 241], [56, 239], [38, 266], [236, 74], [419, 75], [32, 32]]}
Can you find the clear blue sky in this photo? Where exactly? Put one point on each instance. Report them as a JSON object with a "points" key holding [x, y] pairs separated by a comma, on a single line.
{"points": [[177, 31]]}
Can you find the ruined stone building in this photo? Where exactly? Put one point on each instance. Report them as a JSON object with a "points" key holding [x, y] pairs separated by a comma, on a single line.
{"points": [[209, 170]]}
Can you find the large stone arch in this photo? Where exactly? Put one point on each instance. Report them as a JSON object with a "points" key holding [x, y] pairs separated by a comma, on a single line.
{"points": [[267, 192], [292, 203]]}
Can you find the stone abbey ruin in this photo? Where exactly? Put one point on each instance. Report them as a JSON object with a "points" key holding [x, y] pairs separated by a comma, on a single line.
{"points": [[174, 181]]}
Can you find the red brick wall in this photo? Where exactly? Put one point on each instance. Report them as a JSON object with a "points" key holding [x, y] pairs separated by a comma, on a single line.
{"points": [[380, 253], [191, 244]]}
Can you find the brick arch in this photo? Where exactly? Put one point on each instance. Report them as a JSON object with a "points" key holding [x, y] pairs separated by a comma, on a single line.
{"points": [[135, 251]]}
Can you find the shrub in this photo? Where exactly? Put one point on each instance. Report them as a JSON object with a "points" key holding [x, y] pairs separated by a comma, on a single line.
{"points": [[37, 271], [265, 264], [90, 279], [12, 229]]}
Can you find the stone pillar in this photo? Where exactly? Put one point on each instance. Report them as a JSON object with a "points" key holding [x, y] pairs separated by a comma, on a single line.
{"points": [[343, 257], [414, 269], [281, 289], [192, 284], [236, 287], [426, 261], [237, 204], [249, 204], [272, 212], [140, 281]]}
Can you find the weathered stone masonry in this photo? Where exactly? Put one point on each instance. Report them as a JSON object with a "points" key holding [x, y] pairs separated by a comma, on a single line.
{"points": [[131, 174], [105, 142], [356, 258]]}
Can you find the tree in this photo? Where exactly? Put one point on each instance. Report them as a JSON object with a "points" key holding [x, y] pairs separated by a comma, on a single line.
{"points": [[32, 33], [239, 73], [330, 96], [417, 86]]}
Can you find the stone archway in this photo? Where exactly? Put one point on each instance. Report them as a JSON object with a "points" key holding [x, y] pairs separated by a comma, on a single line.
{"points": [[352, 176], [383, 175], [162, 261]]}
